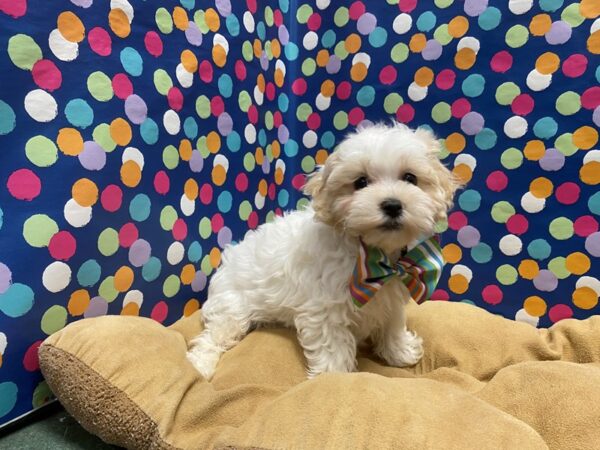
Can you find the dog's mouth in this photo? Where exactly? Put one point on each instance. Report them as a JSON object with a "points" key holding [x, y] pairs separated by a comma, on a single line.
{"points": [[391, 225]]}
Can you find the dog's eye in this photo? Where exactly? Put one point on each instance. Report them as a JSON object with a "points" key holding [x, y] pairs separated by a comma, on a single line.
{"points": [[410, 178], [360, 183]]}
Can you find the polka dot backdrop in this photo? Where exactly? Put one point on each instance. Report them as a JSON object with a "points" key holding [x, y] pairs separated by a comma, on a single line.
{"points": [[140, 138]]}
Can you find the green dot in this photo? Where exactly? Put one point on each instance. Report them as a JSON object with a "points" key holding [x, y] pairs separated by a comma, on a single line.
{"points": [[245, 209], [441, 113], [511, 158], [516, 36], [441, 226], [302, 204], [558, 266], [308, 164], [205, 228], [102, 137], [443, 3], [171, 286], [100, 86], [340, 120], [41, 151], [206, 266], [269, 120], [168, 216], [249, 162], [164, 21], [561, 228], [309, 67], [506, 274], [269, 153], [202, 147], [108, 242], [270, 217], [162, 81], [341, 16], [38, 229], [340, 50], [441, 34], [392, 102], [501, 211], [568, 103], [506, 93], [200, 21], [399, 53], [23, 51], [268, 50], [170, 157], [54, 319], [444, 153], [247, 51], [304, 110], [572, 16], [107, 290], [268, 16], [303, 13], [564, 144], [244, 100]]}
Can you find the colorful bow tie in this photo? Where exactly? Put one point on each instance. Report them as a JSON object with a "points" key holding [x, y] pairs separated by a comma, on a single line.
{"points": [[419, 269]]}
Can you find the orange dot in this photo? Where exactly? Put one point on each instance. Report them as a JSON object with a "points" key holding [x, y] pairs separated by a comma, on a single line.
{"points": [[189, 61], [458, 26], [578, 263], [276, 148], [180, 18], [85, 192], [130, 309], [540, 24], [590, 173], [322, 58], [69, 141], [547, 63], [535, 306], [212, 19], [276, 48], [259, 156], [455, 143], [70, 26], [185, 150], [585, 298], [590, 9], [278, 77], [452, 253], [541, 187], [352, 43], [191, 307], [78, 302], [119, 22], [257, 47], [463, 173], [190, 189], [358, 72], [465, 58], [218, 175], [585, 137], [131, 174], [321, 157], [120, 131], [534, 150], [260, 82], [458, 284], [278, 176], [188, 272], [215, 257], [123, 278], [213, 142], [327, 88], [219, 55], [424, 76], [262, 188], [529, 269], [593, 43], [417, 43]]}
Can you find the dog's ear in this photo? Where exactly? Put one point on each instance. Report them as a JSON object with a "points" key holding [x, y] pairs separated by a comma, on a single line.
{"points": [[315, 188]]}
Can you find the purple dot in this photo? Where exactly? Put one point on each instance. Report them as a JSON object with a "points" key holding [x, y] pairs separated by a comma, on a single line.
{"points": [[592, 244], [82, 3], [366, 23], [224, 237], [596, 116], [196, 162], [193, 34], [560, 32], [472, 123], [264, 61], [552, 160], [224, 7], [139, 253], [432, 50], [97, 307], [545, 281], [199, 282], [468, 236], [225, 124], [136, 109], [475, 7], [266, 166], [283, 34], [283, 134], [5, 278], [333, 65], [93, 157]]}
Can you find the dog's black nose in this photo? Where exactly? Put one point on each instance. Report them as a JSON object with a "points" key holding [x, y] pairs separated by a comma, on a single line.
{"points": [[391, 207]]}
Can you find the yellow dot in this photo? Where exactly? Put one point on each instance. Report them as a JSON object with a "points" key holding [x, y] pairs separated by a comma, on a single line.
{"points": [[455, 143], [585, 137], [213, 142], [85, 192], [131, 174], [215, 257], [590, 9], [119, 22], [465, 58], [585, 298], [219, 55], [417, 43], [69, 141], [188, 272], [458, 284], [424, 76], [593, 43], [458, 26], [535, 306], [130, 309], [190, 189], [218, 175], [78, 302], [185, 149], [120, 131], [463, 173], [590, 173], [191, 307], [180, 18], [352, 43], [327, 88], [189, 61], [534, 150], [547, 63], [541, 187], [578, 263], [358, 72], [452, 253], [540, 24], [321, 156], [529, 269], [212, 19], [70, 26], [123, 278]]}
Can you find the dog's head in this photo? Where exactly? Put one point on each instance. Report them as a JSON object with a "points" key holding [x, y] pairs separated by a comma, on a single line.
{"points": [[384, 184]]}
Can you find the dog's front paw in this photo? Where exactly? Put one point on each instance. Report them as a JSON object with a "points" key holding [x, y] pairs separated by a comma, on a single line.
{"points": [[406, 350]]}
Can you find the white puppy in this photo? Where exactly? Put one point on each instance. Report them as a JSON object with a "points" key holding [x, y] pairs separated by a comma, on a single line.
{"points": [[384, 186]]}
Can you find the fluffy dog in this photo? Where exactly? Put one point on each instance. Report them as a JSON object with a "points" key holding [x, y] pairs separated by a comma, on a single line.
{"points": [[383, 186]]}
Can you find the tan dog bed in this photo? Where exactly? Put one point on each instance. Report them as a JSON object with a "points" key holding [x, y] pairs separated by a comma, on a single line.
{"points": [[484, 383]]}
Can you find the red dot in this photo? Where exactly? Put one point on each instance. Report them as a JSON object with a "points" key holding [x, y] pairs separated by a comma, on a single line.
{"points": [[278, 212], [567, 193], [162, 184], [388, 75], [314, 22], [251, 5], [240, 70], [179, 230], [100, 41], [272, 191], [46, 75], [14, 8], [217, 106], [62, 246], [585, 225], [278, 17], [405, 113], [298, 181], [517, 224], [492, 294], [356, 10], [241, 182], [128, 234], [343, 90], [24, 184], [501, 61], [153, 43], [122, 86], [522, 104], [575, 65], [560, 312], [457, 220], [445, 79], [355, 116], [217, 222], [497, 181], [407, 6], [111, 198], [270, 91], [205, 71], [460, 107], [440, 294], [313, 121], [160, 312], [590, 99], [175, 98], [31, 363], [277, 119], [299, 86], [253, 114], [253, 220], [206, 194]]}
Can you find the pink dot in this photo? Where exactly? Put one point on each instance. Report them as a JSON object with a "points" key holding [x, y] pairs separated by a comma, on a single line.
{"points": [[560, 312], [355, 116], [585, 225], [314, 22], [160, 312], [522, 104], [460, 107], [278, 212], [100, 41], [272, 191], [128, 234], [24, 184], [445, 79], [241, 182], [575, 65], [299, 86], [567, 193], [122, 86], [517, 224], [253, 220], [206, 194], [590, 99], [457, 220], [175, 98], [497, 181], [270, 91], [153, 43], [388, 75], [162, 184], [440, 294], [356, 10], [405, 113], [217, 106], [492, 294], [277, 17], [31, 363], [205, 71], [313, 121], [111, 198], [253, 114], [251, 5], [407, 6], [14, 8], [217, 222], [501, 61], [298, 181], [277, 119], [46, 75], [240, 70], [179, 230], [343, 90], [62, 246]]}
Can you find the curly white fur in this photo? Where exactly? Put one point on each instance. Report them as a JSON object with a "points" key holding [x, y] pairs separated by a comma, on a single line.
{"points": [[295, 270]]}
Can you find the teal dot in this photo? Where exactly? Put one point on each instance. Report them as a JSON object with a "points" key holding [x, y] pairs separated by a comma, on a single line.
{"points": [[261, 30], [8, 397], [224, 201], [8, 119], [482, 253], [132, 61], [89, 273], [486, 139], [594, 203], [79, 113], [194, 252], [598, 74], [139, 207], [262, 137], [545, 128], [469, 200], [190, 128], [283, 102], [1, 218], [225, 84], [284, 5], [328, 39], [17, 300], [365, 96], [550, 5], [290, 148], [378, 37], [151, 270], [426, 21], [283, 197], [233, 25], [328, 140], [188, 4], [234, 141], [291, 51], [489, 19], [149, 131], [473, 85], [539, 249]]}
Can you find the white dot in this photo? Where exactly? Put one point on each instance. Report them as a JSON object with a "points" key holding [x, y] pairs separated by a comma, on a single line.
{"points": [[523, 316], [511, 245], [463, 270], [258, 96], [280, 164], [250, 133], [56, 276], [537, 81], [322, 4], [515, 127], [589, 282], [595, 26], [362, 57], [519, 6], [591, 155], [40, 105], [187, 206], [310, 40], [469, 42], [221, 160], [402, 23], [171, 122], [185, 78], [124, 6], [3, 343], [531, 203], [133, 296], [175, 253], [248, 22], [279, 64], [62, 49], [219, 39], [322, 102], [466, 159], [133, 154], [76, 215], [259, 201], [309, 139], [417, 93]]}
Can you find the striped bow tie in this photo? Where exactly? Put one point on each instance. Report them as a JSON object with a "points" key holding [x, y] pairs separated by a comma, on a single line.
{"points": [[419, 269]]}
